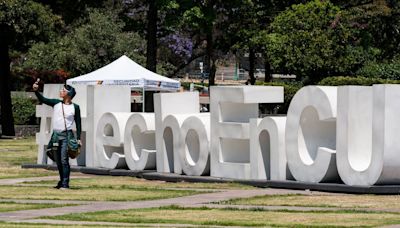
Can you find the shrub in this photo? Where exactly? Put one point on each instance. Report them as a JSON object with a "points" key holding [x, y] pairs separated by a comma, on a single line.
{"points": [[23, 109], [381, 70], [362, 81], [290, 89]]}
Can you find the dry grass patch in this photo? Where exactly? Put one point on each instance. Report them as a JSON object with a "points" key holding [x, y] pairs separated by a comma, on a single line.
{"points": [[137, 183], [43, 225], [13, 153], [336, 200], [227, 217], [17, 172], [13, 206], [95, 194]]}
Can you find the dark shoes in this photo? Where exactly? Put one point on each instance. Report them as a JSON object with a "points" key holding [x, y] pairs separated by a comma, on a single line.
{"points": [[61, 187]]}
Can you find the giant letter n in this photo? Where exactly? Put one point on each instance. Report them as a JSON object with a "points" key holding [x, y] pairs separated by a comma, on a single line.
{"points": [[231, 110]]}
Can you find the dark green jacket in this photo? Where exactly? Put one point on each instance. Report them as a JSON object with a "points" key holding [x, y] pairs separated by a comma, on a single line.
{"points": [[52, 102]]}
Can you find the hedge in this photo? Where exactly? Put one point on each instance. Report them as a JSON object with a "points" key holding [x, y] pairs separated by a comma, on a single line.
{"points": [[381, 70], [362, 81], [23, 110], [290, 89]]}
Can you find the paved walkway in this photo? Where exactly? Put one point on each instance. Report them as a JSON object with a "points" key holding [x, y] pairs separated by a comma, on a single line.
{"points": [[185, 201]]}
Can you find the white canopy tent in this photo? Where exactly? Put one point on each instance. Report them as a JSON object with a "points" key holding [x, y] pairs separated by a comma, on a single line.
{"points": [[125, 71]]}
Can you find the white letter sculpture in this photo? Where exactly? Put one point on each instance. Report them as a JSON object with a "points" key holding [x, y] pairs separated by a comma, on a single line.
{"points": [[110, 139], [140, 142], [102, 99], [231, 110], [311, 134], [267, 149], [195, 151], [171, 141], [329, 133], [171, 111], [368, 134]]}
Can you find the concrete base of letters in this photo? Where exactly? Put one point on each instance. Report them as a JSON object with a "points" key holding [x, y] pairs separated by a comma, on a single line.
{"points": [[171, 177]]}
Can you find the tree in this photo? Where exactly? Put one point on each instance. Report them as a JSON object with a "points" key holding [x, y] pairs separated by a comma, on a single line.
{"points": [[208, 24], [149, 18], [151, 36], [98, 41], [73, 10], [249, 27], [185, 31], [380, 21], [251, 19], [316, 40], [21, 22]]}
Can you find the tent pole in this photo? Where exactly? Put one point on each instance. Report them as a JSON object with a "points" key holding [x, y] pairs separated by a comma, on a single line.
{"points": [[143, 100]]}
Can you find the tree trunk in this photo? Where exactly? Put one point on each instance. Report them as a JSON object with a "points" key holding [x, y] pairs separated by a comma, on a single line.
{"points": [[210, 60], [268, 73], [213, 70], [252, 59], [151, 61], [7, 120], [183, 65]]}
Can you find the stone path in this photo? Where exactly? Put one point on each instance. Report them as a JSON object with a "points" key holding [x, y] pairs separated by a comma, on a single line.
{"points": [[185, 201], [200, 200]]}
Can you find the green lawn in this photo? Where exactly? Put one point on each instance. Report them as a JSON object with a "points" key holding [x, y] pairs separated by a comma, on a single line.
{"points": [[13, 153], [13, 206], [138, 183], [110, 188], [97, 188], [344, 201], [42, 225], [117, 193], [232, 217]]}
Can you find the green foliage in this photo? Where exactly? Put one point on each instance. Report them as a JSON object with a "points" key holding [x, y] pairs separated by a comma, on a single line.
{"points": [[23, 109], [362, 81], [72, 10], [290, 89], [380, 21], [193, 16], [26, 21], [95, 43], [381, 70], [316, 40]]}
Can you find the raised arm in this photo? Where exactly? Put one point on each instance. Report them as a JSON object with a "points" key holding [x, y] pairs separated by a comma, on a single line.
{"points": [[41, 98], [44, 100]]}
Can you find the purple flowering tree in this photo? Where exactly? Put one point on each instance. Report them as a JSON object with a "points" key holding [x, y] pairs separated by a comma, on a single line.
{"points": [[179, 45]]}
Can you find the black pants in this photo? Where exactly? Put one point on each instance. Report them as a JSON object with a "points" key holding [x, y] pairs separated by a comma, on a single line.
{"points": [[62, 161]]}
